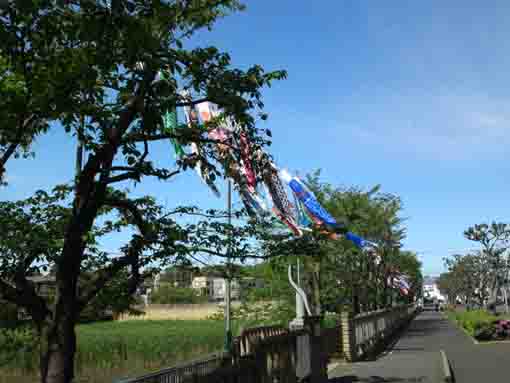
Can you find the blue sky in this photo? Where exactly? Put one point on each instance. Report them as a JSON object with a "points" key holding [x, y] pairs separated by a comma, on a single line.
{"points": [[410, 95]]}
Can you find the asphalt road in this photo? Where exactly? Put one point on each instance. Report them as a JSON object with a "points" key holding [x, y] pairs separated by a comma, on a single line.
{"points": [[415, 357]]}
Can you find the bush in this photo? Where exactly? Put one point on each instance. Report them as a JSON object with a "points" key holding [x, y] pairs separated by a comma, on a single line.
{"points": [[482, 325], [8, 315], [474, 320], [485, 332], [167, 294]]}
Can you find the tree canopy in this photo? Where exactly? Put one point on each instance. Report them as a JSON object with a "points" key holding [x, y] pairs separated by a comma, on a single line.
{"points": [[105, 73]]}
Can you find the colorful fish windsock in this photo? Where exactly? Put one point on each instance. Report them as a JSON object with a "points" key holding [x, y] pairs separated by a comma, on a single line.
{"points": [[170, 126], [302, 217], [282, 208], [360, 242], [253, 203], [400, 281], [277, 192], [192, 121], [169, 117], [289, 221], [309, 201], [247, 166], [206, 110]]}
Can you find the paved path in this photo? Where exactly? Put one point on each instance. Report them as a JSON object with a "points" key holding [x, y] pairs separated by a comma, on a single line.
{"points": [[415, 357]]}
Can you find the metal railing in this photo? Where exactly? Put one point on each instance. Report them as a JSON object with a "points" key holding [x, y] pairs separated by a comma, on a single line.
{"points": [[183, 373], [259, 355]]}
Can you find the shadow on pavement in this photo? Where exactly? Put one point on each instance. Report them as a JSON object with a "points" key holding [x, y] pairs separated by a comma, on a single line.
{"points": [[375, 379]]}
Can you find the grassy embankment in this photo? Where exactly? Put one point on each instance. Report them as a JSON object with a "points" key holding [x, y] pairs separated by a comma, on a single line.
{"points": [[110, 350]]}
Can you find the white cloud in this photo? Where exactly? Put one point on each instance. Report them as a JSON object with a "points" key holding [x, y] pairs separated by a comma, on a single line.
{"points": [[442, 126]]}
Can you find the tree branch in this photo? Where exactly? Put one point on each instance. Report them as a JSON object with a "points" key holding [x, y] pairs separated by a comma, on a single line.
{"points": [[25, 297], [192, 103], [128, 206], [135, 174], [103, 277], [14, 145]]}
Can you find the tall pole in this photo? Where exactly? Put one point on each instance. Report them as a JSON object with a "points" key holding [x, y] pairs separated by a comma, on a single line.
{"points": [[79, 152], [228, 327], [79, 149]]}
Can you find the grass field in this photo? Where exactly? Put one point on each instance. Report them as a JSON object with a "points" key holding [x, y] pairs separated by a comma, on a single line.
{"points": [[110, 350]]}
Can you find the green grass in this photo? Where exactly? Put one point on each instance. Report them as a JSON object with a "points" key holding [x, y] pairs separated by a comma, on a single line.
{"points": [[110, 350]]}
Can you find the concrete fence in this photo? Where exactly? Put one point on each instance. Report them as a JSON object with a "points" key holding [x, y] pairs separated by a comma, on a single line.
{"points": [[274, 354], [364, 333]]}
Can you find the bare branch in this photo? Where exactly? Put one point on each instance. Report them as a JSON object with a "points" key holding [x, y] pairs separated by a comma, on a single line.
{"points": [[16, 142], [191, 103], [123, 177], [135, 174]]}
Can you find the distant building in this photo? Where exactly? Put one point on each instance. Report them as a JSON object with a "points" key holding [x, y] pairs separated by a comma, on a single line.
{"points": [[178, 276], [204, 285], [214, 287], [44, 284], [431, 290], [219, 289]]}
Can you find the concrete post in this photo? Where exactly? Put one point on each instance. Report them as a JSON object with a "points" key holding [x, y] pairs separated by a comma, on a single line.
{"points": [[318, 357], [348, 336]]}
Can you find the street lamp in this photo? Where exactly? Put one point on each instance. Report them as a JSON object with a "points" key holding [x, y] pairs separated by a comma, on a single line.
{"points": [[228, 323]]}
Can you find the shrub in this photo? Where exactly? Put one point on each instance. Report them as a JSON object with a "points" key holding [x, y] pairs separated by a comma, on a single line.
{"points": [[485, 332], [167, 294], [8, 315], [482, 325], [474, 320]]}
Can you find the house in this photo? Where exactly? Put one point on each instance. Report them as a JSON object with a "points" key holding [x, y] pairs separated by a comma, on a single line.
{"points": [[45, 285], [178, 276], [219, 289], [204, 285], [214, 287]]}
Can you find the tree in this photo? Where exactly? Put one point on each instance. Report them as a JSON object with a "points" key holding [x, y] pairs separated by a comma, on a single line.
{"points": [[338, 275], [468, 276], [106, 75], [494, 240]]}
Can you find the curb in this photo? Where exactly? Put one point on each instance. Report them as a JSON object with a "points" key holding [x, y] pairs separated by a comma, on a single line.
{"points": [[445, 364]]}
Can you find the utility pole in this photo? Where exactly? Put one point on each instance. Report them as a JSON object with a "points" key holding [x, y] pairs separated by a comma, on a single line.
{"points": [[79, 149], [228, 324]]}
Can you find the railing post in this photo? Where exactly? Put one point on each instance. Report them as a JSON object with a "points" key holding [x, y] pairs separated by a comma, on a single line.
{"points": [[318, 356], [348, 336]]}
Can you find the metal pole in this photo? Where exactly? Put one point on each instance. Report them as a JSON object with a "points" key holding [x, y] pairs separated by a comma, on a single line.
{"points": [[228, 327], [79, 149]]}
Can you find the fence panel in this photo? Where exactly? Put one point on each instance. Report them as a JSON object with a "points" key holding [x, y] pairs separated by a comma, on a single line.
{"points": [[332, 340], [183, 373], [372, 328]]}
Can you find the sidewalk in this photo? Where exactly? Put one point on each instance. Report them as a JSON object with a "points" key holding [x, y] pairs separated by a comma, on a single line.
{"points": [[415, 357], [411, 359]]}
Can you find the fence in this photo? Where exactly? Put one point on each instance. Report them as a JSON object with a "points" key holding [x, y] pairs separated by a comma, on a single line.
{"points": [[276, 355], [184, 373], [332, 340], [365, 332], [245, 343]]}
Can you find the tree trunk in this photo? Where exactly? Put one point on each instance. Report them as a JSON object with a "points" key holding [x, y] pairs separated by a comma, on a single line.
{"points": [[58, 347], [58, 337]]}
